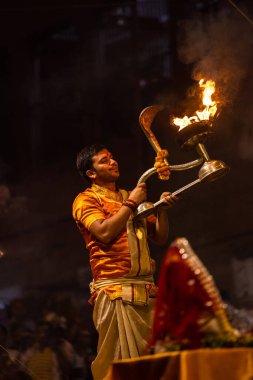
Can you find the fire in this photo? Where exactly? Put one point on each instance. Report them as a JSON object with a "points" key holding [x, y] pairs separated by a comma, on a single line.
{"points": [[210, 106]]}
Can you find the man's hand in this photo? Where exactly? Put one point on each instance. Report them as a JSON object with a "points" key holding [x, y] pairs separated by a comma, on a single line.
{"points": [[161, 167], [139, 193], [168, 199]]}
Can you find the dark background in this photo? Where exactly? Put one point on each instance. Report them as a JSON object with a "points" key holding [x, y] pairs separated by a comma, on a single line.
{"points": [[75, 73]]}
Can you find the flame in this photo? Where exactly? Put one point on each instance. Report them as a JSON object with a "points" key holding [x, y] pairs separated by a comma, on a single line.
{"points": [[210, 109]]}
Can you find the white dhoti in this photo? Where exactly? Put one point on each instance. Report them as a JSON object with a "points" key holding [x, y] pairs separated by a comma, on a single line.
{"points": [[123, 329]]}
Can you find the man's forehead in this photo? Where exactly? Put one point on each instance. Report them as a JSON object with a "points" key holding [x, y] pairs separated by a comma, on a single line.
{"points": [[102, 153]]}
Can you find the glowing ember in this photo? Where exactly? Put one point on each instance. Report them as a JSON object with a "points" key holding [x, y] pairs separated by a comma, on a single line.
{"points": [[208, 89]]}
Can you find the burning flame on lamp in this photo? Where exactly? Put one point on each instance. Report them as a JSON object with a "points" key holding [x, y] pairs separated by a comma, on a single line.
{"points": [[210, 109], [192, 137]]}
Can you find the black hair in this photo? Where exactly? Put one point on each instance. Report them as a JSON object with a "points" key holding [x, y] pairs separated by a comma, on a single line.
{"points": [[84, 159]]}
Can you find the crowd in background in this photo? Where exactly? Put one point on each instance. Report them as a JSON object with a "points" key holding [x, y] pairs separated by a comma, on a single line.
{"points": [[47, 340], [53, 337]]}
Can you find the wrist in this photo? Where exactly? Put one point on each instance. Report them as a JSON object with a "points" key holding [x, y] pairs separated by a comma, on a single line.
{"points": [[134, 203], [162, 210], [131, 204]]}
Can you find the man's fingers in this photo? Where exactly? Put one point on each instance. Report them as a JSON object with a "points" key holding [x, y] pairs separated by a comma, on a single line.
{"points": [[169, 198]]}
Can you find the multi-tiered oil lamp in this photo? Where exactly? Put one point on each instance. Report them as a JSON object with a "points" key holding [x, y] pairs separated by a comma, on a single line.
{"points": [[192, 134]]}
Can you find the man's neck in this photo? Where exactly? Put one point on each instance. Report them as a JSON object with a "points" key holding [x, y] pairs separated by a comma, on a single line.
{"points": [[107, 185]]}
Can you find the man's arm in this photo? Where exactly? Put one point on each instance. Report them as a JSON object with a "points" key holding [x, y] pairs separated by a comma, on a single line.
{"points": [[160, 230], [108, 229]]}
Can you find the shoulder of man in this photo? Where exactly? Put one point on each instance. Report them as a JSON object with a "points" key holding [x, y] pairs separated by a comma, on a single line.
{"points": [[86, 195]]}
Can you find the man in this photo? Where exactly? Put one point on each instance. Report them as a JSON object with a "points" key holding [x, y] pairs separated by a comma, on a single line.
{"points": [[123, 290]]}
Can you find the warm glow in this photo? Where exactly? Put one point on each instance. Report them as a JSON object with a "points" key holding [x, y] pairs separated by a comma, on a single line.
{"points": [[209, 110]]}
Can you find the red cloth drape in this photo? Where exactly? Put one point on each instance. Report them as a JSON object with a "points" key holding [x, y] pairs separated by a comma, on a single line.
{"points": [[181, 302]]}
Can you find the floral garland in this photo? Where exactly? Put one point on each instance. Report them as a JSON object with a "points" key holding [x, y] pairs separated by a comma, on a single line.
{"points": [[208, 341]]}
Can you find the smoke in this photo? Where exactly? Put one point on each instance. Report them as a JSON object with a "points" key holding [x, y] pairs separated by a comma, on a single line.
{"points": [[220, 48]]}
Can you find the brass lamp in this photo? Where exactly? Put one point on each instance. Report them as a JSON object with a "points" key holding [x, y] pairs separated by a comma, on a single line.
{"points": [[191, 137]]}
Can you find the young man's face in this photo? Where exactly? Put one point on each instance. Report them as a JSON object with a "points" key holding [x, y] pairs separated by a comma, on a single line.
{"points": [[105, 168]]}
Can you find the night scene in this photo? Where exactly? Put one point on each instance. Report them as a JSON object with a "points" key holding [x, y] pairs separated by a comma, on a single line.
{"points": [[126, 161]]}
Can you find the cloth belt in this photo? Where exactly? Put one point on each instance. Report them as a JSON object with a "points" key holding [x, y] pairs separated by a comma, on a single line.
{"points": [[134, 290]]}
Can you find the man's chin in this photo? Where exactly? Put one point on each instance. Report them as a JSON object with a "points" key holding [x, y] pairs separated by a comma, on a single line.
{"points": [[115, 173]]}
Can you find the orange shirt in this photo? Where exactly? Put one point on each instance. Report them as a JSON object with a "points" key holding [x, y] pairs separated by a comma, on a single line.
{"points": [[107, 260], [112, 260]]}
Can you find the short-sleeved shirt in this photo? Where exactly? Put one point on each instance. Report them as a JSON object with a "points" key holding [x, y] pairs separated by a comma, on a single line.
{"points": [[113, 260], [108, 260]]}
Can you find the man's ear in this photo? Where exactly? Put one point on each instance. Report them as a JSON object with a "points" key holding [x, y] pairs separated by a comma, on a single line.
{"points": [[91, 174]]}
